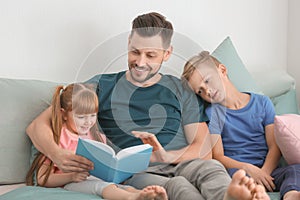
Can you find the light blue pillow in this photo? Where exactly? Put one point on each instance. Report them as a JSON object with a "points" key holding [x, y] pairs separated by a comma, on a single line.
{"points": [[286, 103], [237, 72], [275, 83]]}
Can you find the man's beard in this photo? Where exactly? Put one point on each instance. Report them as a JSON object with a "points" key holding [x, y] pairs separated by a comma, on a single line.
{"points": [[149, 76]]}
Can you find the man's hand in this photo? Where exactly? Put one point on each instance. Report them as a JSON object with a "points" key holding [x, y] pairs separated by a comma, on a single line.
{"points": [[159, 154], [148, 138], [67, 161]]}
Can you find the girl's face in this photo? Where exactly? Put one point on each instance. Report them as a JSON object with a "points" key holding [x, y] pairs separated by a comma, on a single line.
{"points": [[207, 82], [80, 123]]}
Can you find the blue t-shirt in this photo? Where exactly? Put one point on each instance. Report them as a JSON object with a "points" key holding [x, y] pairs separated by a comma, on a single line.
{"points": [[243, 130], [163, 109]]}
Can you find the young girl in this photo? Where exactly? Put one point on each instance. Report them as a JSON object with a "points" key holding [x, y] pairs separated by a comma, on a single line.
{"points": [[74, 115]]}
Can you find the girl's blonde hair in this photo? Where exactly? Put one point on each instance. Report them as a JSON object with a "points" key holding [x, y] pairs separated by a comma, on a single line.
{"points": [[78, 98], [194, 62]]}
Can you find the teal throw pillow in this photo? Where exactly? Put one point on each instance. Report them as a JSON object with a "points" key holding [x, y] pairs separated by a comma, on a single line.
{"points": [[286, 103], [237, 72]]}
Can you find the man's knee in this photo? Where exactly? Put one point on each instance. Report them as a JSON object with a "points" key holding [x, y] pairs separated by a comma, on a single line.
{"points": [[179, 187], [176, 181], [206, 164]]}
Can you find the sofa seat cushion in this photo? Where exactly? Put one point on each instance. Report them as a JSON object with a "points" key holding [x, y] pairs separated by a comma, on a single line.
{"points": [[32, 193], [37, 193], [274, 195]]}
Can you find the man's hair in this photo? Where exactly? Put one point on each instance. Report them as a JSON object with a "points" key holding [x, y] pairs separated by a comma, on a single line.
{"points": [[195, 61], [152, 24]]}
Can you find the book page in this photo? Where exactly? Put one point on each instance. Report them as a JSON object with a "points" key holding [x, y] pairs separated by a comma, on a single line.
{"points": [[133, 150], [101, 145]]}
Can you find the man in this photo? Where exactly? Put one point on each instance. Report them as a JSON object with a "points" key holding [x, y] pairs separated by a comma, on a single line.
{"points": [[142, 99]]}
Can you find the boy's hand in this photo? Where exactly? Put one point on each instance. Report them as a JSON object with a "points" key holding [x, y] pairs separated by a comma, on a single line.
{"points": [[260, 177]]}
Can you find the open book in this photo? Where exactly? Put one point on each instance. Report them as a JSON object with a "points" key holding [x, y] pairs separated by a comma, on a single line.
{"points": [[112, 167]]}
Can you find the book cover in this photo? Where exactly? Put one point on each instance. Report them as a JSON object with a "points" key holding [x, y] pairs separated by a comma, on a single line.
{"points": [[112, 167]]}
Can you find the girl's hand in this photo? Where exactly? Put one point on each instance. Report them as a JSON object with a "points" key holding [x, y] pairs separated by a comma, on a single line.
{"points": [[148, 138], [260, 177], [79, 176]]}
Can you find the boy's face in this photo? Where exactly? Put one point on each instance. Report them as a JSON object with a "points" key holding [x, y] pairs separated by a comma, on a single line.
{"points": [[145, 56], [206, 81]]}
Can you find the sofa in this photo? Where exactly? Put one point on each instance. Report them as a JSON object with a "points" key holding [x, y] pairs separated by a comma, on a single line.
{"points": [[22, 100]]}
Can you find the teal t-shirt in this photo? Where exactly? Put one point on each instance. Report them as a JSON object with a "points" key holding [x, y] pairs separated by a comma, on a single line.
{"points": [[162, 109]]}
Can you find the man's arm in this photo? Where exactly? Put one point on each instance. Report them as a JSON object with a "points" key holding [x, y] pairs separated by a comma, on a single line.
{"points": [[41, 135], [197, 136]]}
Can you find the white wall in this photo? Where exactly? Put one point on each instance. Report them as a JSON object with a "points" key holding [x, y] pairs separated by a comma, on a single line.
{"points": [[57, 39], [294, 43]]}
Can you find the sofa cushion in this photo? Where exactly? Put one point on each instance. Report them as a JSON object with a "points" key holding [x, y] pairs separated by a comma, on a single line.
{"points": [[286, 103], [274, 82], [237, 72], [287, 135], [37, 193], [21, 101]]}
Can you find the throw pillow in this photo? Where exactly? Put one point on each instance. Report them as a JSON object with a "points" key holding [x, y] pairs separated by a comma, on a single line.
{"points": [[237, 72], [286, 103], [287, 135]]}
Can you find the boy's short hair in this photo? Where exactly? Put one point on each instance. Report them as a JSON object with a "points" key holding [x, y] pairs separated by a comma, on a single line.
{"points": [[151, 24], [195, 61]]}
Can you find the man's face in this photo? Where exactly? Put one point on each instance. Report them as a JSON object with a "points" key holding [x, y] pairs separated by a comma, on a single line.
{"points": [[206, 82], [145, 56]]}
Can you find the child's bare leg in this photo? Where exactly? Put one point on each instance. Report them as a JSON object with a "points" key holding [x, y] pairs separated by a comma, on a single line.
{"points": [[291, 195], [244, 188], [113, 192]]}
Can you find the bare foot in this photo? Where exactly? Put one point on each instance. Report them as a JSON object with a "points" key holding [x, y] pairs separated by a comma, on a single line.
{"points": [[152, 192], [259, 193], [144, 194], [160, 192], [291, 195], [244, 188]]}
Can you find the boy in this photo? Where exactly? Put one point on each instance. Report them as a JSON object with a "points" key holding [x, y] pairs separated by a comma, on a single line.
{"points": [[242, 127]]}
